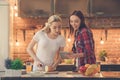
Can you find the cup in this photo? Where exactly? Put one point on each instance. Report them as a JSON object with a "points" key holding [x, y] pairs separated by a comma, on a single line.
{"points": [[28, 67]]}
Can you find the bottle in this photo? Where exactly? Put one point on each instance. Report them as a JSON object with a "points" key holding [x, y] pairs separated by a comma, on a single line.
{"points": [[99, 66], [75, 68]]}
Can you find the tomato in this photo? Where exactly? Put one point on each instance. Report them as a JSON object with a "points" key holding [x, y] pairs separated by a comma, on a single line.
{"points": [[82, 69]]}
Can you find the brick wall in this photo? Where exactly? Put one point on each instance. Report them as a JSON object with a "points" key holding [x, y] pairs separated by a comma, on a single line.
{"points": [[111, 44]]}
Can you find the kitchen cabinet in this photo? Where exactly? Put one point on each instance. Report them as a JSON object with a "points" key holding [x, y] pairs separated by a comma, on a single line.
{"points": [[45, 8], [66, 7], [104, 16], [110, 67], [35, 8], [105, 8]]}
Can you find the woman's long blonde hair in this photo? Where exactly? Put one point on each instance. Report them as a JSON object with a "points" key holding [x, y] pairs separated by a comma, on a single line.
{"points": [[53, 18]]}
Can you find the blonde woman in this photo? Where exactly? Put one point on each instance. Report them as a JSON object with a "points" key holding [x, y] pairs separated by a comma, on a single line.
{"points": [[49, 43]]}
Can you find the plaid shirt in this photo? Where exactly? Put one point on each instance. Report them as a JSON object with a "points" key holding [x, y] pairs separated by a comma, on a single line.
{"points": [[84, 43]]}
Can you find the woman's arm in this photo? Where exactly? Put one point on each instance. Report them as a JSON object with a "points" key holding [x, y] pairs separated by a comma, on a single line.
{"points": [[77, 55], [74, 55], [89, 46], [30, 49], [31, 52]]}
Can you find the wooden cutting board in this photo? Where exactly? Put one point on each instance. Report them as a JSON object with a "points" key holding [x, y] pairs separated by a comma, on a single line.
{"points": [[73, 73], [54, 72]]}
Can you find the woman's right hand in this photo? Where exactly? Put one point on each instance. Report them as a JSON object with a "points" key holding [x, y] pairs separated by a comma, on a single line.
{"points": [[50, 68]]}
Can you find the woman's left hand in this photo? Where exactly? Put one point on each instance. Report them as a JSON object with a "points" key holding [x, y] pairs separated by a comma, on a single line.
{"points": [[50, 68], [70, 56]]}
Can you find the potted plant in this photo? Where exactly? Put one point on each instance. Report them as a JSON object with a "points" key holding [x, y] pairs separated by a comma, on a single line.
{"points": [[13, 67], [102, 55]]}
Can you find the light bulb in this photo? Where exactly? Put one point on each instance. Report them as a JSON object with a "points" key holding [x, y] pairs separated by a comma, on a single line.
{"points": [[17, 43], [101, 42], [69, 40], [15, 7], [16, 14]]}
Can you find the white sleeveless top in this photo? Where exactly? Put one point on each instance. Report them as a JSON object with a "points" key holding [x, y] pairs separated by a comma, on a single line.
{"points": [[47, 47]]}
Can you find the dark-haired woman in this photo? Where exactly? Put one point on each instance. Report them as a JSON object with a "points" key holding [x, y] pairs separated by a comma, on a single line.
{"points": [[83, 45]]}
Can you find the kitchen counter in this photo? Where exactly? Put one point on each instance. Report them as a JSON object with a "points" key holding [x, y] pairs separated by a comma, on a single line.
{"points": [[110, 67], [65, 75], [104, 67]]}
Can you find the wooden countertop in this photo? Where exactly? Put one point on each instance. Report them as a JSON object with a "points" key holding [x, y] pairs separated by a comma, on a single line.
{"points": [[70, 74], [65, 75], [111, 74]]}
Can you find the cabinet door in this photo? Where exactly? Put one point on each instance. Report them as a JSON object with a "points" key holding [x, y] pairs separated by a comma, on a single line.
{"points": [[105, 8], [4, 33], [35, 8], [66, 7]]}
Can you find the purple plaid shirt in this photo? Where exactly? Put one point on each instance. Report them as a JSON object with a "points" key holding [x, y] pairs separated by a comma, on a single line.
{"points": [[84, 43]]}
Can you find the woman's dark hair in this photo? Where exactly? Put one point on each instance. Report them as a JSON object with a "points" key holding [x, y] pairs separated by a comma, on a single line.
{"points": [[81, 17]]}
